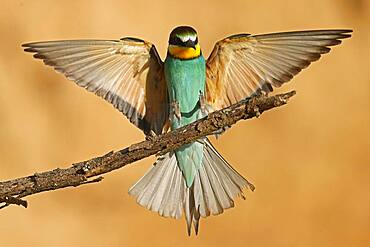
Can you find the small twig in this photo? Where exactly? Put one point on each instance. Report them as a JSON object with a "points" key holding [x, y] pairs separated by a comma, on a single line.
{"points": [[8, 200], [78, 174]]}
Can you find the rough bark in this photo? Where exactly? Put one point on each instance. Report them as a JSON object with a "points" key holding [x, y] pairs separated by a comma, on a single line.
{"points": [[89, 171]]}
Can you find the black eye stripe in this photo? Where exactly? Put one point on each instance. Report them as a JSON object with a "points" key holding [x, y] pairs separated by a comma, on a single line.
{"points": [[178, 40], [175, 40]]}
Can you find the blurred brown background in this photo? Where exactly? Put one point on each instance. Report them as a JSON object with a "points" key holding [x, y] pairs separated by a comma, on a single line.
{"points": [[309, 160]]}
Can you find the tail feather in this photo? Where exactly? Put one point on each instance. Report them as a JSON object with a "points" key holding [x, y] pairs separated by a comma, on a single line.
{"points": [[161, 193], [217, 183], [163, 188], [175, 193]]}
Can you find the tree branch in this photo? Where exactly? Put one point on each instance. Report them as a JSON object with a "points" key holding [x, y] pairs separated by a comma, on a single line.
{"points": [[88, 171]]}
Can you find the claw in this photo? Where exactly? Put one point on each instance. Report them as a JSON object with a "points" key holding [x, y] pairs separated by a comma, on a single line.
{"points": [[151, 136]]}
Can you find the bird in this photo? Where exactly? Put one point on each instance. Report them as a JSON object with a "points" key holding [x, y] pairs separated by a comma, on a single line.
{"points": [[158, 96]]}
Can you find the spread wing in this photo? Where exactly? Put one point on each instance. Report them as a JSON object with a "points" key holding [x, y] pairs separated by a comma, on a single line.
{"points": [[127, 73], [241, 65]]}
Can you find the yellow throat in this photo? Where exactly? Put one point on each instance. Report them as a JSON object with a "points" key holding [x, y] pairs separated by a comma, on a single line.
{"points": [[184, 52]]}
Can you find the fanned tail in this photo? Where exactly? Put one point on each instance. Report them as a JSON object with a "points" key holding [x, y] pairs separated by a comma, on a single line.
{"points": [[163, 188]]}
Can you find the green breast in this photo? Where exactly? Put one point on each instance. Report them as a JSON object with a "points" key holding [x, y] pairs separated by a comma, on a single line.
{"points": [[185, 82]]}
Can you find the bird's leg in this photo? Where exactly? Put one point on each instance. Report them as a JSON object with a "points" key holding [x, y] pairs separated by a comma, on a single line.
{"points": [[202, 102], [205, 108], [175, 109]]}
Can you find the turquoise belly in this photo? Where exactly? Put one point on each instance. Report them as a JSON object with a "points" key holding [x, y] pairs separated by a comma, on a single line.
{"points": [[185, 82]]}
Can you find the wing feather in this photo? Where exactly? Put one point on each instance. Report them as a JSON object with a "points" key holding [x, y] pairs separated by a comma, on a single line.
{"points": [[128, 73], [241, 65]]}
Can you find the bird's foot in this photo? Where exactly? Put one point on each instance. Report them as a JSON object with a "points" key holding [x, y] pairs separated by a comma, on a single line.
{"points": [[151, 136]]}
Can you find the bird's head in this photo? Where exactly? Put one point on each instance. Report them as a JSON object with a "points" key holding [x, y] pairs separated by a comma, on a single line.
{"points": [[183, 43]]}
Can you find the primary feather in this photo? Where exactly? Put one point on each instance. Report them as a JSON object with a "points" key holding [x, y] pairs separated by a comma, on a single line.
{"points": [[241, 65], [128, 73]]}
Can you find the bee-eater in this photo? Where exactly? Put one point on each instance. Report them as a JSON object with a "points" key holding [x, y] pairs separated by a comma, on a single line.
{"points": [[155, 96]]}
